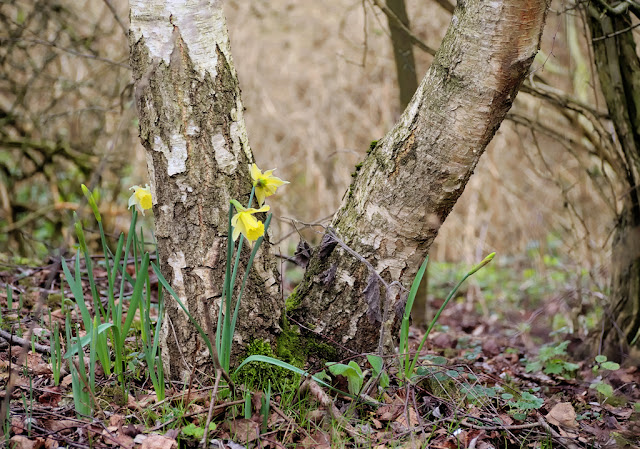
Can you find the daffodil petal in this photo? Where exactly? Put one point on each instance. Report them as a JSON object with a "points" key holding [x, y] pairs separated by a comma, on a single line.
{"points": [[255, 172], [235, 234]]}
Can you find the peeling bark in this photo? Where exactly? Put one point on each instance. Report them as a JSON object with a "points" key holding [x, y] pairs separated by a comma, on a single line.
{"points": [[198, 156], [410, 181]]}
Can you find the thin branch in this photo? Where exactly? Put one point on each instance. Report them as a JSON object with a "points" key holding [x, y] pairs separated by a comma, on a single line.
{"points": [[616, 33], [24, 342], [125, 29], [561, 99], [620, 8], [74, 52], [37, 214], [397, 22]]}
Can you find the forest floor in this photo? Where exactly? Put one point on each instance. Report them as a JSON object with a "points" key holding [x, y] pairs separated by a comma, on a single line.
{"points": [[486, 379]]}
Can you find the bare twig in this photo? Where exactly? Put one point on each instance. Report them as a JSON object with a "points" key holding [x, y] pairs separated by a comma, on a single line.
{"points": [[125, 29], [76, 53], [214, 393], [24, 342], [310, 386], [397, 22]]}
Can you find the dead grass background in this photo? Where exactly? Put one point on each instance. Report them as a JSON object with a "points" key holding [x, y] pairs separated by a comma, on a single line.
{"points": [[318, 82]]}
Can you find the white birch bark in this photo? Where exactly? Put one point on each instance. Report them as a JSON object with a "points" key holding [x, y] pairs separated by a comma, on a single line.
{"points": [[408, 184], [192, 127]]}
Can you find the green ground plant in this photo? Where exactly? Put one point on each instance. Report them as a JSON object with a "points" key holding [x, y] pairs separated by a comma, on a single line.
{"points": [[602, 368], [108, 327], [552, 360]]}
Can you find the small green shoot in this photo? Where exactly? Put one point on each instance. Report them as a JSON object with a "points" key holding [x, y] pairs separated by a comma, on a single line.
{"points": [[409, 368], [602, 387], [353, 373], [265, 406], [552, 360], [196, 432], [377, 365], [520, 407]]}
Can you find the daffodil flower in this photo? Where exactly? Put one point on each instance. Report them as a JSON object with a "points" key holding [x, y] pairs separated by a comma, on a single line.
{"points": [[265, 183], [141, 198], [246, 224]]}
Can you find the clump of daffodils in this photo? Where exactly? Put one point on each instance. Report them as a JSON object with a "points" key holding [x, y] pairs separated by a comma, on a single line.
{"points": [[141, 198], [243, 222]]}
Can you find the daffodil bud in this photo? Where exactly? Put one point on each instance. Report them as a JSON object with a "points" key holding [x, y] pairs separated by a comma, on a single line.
{"points": [[92, 202]]}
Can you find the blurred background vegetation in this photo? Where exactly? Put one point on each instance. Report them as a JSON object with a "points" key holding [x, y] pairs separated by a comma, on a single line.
{"points": [[319, 84]]}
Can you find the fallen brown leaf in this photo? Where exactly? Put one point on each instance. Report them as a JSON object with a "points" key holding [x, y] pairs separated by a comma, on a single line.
{"points": [[563, 414], [117, 439], [244, 430], [155, 441], [22, 442], [412, 421], [318, 439], [66, 381], [61, 426], [51, 396]]}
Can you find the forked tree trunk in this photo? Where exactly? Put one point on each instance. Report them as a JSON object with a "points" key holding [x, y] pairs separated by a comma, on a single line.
{"points": [[409, 183], [192, 127], [618, 69]]}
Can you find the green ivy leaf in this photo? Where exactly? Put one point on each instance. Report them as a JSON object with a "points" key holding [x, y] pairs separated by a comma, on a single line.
{"points": [[605, 389], [612, 366]]}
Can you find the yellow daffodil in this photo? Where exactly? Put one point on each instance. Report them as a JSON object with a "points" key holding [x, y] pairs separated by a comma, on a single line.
{"points": [[246, 224], [141, 198], [265, 183]]}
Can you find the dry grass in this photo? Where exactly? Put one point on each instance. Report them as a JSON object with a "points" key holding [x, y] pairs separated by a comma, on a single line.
{"points": [[313, 108], [318, 83]]}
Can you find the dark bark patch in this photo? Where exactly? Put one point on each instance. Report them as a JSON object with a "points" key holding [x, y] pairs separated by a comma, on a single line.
{"points": [[327, 245], [302, 254], [372, 295], [329, 275]]}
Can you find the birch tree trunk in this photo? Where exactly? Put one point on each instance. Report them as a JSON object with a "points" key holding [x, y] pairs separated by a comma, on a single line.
{"points": [[410, 181], [198, 156]]}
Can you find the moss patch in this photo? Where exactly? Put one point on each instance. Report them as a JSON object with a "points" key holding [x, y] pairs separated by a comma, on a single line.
{"points": [[293, 300], [257, 375]]}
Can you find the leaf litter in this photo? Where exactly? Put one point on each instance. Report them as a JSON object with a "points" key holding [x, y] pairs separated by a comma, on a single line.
{"points": [[472, 390]]}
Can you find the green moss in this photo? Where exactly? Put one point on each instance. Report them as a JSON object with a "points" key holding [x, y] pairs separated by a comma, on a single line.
{"points": [[322, 351], [113, 394], [258, 375], [293, 300], [288, 346], [372, 145]]}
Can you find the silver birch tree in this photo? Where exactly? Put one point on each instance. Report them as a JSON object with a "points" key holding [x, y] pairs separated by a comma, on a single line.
{"points": [[192, 128]]}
